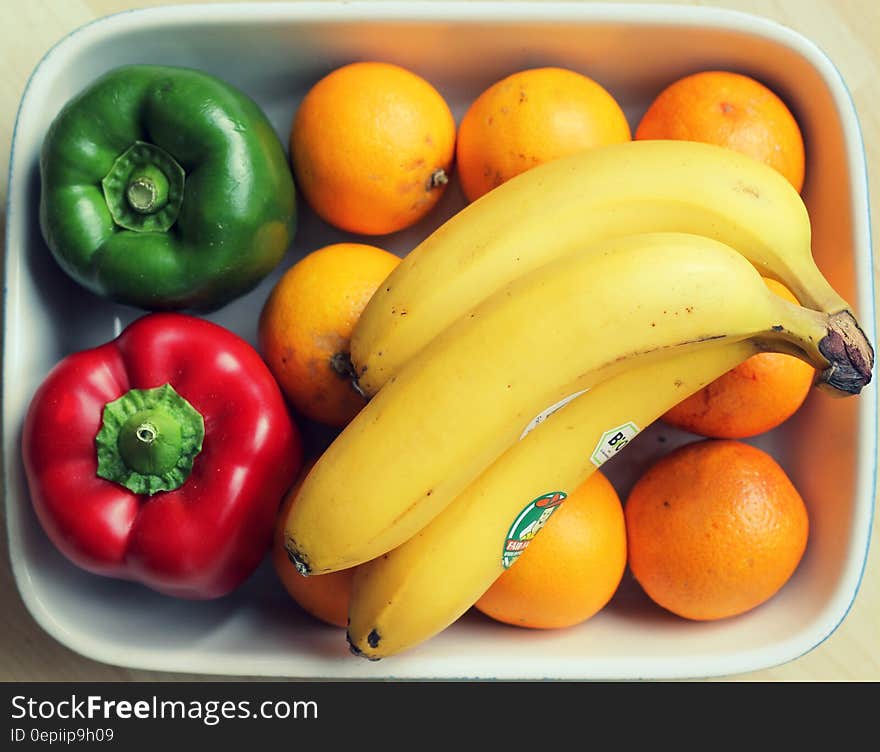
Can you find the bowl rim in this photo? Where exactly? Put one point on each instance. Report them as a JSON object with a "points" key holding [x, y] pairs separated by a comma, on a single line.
{"points": [[481, 11]]}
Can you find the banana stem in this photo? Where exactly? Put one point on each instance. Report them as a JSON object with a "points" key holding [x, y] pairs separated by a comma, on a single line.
{"points": [[809, 285], [850, 354], [833, 343]]}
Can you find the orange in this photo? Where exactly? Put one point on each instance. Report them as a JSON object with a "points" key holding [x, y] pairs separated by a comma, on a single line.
{"points": [[731, 110], [305, 327], [531, 117], [756, 396], [570, 569], [714, 529], [323, 596], [372, 146]]}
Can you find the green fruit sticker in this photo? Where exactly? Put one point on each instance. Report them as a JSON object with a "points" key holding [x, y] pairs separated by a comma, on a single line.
{"points": [[527, 524]]}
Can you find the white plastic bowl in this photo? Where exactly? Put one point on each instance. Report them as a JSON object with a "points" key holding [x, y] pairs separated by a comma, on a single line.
{"points": [[275, 52]]}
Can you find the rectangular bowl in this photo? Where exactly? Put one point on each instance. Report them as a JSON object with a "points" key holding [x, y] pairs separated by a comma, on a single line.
{"points": [[274, 52]]}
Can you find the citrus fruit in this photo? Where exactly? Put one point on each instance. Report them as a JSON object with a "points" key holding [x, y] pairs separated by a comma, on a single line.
{"points": [[531, 117], [570, 569], [305, 327], [372, 146], [758, 395], [323, 596], [714, 529], [731, 110]]}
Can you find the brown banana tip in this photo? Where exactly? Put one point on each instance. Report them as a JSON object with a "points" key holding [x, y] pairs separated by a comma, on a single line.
{"points": [[849, 353], [341, 363], [296, 558], [355, 650]]}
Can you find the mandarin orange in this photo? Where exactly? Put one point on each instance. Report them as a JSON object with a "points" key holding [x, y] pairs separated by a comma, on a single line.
{"points": [[372, 146], [531, 117], [714, 528], [306, 323]]}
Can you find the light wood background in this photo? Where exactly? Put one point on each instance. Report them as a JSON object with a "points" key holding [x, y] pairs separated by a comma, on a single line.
{"points": [[847, 30]]}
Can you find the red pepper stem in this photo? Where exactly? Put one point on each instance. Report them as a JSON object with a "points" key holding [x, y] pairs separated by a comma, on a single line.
{"points": [[149, 439], [147, 433]]}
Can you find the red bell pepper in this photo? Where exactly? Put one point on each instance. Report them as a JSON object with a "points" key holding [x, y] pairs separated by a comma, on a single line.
{"points": [[162, 456]]}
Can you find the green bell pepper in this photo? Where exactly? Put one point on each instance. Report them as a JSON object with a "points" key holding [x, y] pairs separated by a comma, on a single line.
{"points": [[165, 188]]}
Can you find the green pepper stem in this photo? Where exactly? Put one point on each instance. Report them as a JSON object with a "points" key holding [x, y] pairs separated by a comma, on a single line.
{"points": [[147, 191], [144, 189]]}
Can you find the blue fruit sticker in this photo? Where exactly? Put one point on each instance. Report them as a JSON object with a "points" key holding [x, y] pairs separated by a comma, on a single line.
{"points": [[527, 524]]}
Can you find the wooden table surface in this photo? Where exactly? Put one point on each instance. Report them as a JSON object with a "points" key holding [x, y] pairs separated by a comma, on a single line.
{"points": [[848, 31]]}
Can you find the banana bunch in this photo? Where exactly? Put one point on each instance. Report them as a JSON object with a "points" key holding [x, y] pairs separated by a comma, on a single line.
{"points": [[528, 340]]}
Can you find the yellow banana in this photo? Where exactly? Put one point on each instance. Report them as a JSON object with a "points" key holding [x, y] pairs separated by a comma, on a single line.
{"points": [[558, 207], [455, 408], [421, 587]]}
